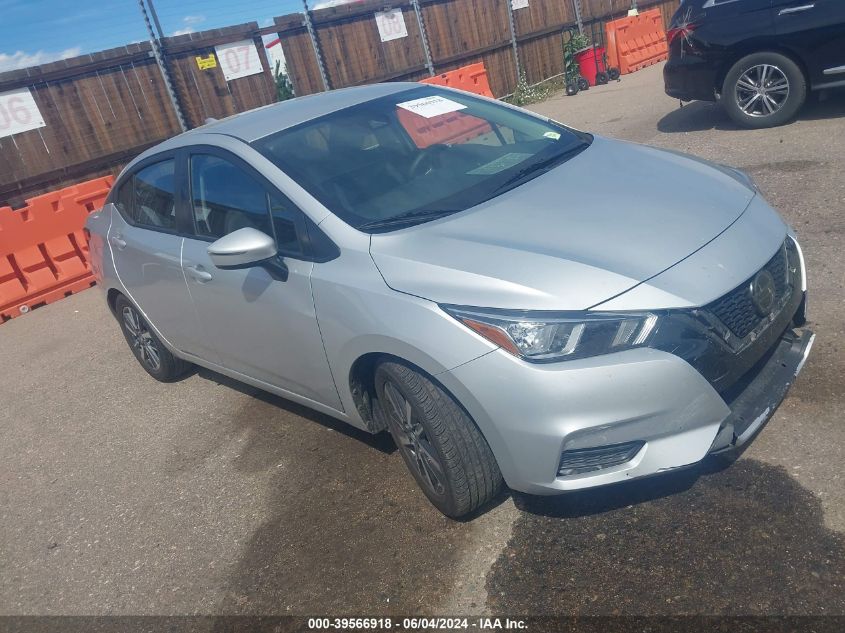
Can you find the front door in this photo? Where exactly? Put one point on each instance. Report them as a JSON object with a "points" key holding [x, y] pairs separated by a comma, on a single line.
{"points": [[258, 324]]}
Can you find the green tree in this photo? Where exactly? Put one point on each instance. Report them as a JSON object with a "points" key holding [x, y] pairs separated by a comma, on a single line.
{"points": [[284, 88]]}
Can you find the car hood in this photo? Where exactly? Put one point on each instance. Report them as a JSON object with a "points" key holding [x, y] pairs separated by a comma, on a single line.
{"points": [[592, 228]]}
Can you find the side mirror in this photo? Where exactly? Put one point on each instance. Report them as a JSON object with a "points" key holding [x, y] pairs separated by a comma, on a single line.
{"points": [[243, 248]]}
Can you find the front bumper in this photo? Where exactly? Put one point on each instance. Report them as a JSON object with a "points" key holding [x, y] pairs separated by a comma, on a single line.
{"points": [[765, 389], [531, 414]]}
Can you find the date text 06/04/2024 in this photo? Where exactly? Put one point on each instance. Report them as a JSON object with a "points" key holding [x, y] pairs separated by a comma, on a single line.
{"points": [[415, 624]]}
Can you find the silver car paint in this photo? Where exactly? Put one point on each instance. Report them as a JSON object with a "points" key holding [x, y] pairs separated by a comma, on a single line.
{"points": [[528, 413], [240, 248], [537, 247]]}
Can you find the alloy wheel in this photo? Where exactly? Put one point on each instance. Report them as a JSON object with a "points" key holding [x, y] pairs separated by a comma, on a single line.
{"points": [[413, 440], [141, 339], [762, 90]]}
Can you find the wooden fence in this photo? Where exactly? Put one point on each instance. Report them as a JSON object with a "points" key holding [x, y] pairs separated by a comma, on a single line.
{"points": [[102, 109]]}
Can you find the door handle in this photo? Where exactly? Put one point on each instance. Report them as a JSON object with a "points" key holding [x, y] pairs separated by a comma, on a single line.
{"points": [[199, 274], [789, 10], [118, 241]]}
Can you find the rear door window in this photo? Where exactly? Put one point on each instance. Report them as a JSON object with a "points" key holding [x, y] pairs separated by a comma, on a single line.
{"points": [[155, 197]]}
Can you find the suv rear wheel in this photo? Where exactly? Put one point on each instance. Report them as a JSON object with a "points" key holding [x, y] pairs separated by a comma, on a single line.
{"points": [[442, 447], [764, 90]]}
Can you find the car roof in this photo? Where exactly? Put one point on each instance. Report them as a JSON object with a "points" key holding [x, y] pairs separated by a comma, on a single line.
{"points": [[255, 124]]}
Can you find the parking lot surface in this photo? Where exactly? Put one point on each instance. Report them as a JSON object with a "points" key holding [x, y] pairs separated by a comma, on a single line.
{"points": [[121, 495]]}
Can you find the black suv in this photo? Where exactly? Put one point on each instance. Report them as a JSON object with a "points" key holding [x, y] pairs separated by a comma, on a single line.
{"points": [[758, 57]]}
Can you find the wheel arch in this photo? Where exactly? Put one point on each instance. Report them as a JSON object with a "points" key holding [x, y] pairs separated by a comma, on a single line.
{"points": [[111, 298], [361, 384]]}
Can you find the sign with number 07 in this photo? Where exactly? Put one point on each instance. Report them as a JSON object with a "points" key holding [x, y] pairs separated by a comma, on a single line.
{"points": [[19, 112], [238, 59]]}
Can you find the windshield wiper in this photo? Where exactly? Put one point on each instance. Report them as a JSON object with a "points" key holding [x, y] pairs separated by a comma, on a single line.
{"points": [[407, 219], [543, 165]]}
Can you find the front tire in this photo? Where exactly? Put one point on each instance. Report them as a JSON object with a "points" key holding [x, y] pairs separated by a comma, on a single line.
{"points": [[148, 349], [444, 450], [764, 90]]}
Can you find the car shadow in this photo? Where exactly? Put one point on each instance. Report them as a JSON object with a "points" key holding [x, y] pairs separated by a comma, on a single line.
{"points": [[382, 442], [700, 116]]}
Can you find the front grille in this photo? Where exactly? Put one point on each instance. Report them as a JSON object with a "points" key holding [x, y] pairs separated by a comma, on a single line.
{"points": [[584, 460], [736, 310]]}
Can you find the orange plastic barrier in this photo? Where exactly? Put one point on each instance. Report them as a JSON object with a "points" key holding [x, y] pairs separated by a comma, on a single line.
{"points": [[472, 78], [452, 127], [43, 249], [637, 41]]}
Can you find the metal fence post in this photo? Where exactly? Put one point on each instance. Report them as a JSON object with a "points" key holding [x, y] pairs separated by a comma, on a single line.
{"points": [[577, 6], [159, 57], [428, 63], [318, 54], [512, 26]]}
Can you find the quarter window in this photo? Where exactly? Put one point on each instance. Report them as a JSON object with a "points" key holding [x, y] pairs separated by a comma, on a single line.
{"points": [[284, 224], [123, 199], [155, 200], [226, 198]]}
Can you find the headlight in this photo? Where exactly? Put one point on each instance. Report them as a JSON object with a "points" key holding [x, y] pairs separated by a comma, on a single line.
{"points": [[556, 336]]}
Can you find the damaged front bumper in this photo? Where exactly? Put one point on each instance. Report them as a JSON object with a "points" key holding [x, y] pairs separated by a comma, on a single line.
{"points": [[752, 407]]}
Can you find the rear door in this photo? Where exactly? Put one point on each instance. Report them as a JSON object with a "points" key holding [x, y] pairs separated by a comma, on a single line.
{"points": [[257, 322], [815, 29], [147, 250]]}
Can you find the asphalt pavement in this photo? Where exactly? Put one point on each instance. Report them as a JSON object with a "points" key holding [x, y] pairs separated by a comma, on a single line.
{"points": [[121, 495]]}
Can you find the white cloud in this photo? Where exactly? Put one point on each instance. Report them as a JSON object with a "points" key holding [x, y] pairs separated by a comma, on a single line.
{"points": [[20, 59], [190, 21]]}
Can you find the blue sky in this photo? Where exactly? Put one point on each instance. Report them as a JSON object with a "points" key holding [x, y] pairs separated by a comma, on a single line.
{"points": [[37, 31]]}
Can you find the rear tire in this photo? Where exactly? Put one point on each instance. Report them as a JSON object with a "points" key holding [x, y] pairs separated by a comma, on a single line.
{"points": [[148, 349], [572, 89], [583, 84], [444, 450], [764, 90], [601, 78]]}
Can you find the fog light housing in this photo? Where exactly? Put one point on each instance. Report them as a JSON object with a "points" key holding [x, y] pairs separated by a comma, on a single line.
{"points": [[585, 460]]}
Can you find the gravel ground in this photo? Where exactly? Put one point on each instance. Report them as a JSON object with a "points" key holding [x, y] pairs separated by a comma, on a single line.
{"points": [[120, 495]]}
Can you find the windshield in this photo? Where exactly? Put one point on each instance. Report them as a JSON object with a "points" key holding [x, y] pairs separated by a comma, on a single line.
{"points": [[417, 155]]}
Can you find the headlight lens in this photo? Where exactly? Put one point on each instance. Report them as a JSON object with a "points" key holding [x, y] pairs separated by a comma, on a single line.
{"points": [[547, 337]]}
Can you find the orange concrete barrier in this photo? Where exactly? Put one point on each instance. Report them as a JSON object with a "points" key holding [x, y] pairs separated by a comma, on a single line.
{"points": [[637, 41], [472, 78], [43, 249]]}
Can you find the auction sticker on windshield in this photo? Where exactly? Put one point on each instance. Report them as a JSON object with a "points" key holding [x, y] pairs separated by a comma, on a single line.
{"points": [[430, 107], [500, 164]]}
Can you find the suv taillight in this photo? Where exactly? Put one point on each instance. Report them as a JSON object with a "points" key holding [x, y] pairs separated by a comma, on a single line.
{"points": [[682, 32]]}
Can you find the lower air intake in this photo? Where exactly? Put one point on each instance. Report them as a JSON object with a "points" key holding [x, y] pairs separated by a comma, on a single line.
{"points": [[585, 460]]}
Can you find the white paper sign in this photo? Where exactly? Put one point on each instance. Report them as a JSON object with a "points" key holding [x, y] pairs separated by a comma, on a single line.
{"points": [[430, 107], [275, 54], [238, 59], [19, 112], [519, 4], [391, 25]]}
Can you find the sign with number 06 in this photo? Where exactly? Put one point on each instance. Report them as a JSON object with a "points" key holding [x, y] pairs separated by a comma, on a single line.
{"points": [[19, 112], [391, 25], [238, 59]]}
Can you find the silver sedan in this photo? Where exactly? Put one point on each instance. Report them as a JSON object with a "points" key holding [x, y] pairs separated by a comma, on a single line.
{"points": [[513, 300]]}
